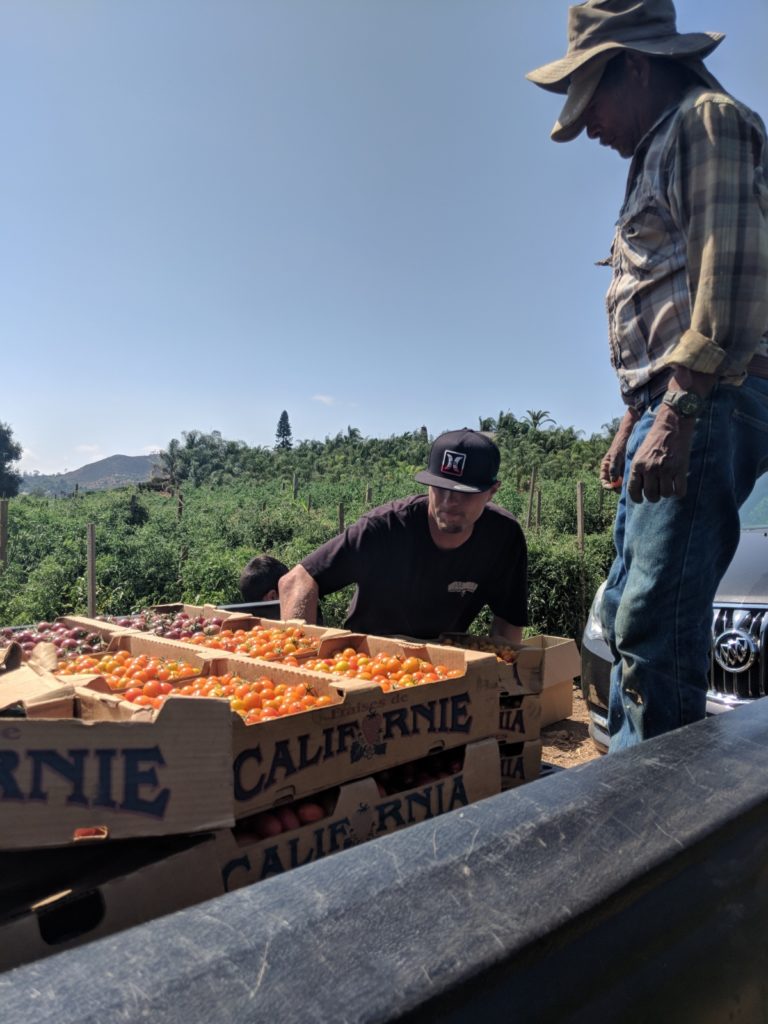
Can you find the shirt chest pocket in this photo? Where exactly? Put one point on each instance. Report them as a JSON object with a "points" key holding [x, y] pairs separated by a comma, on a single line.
{"points": [[645, 240]]}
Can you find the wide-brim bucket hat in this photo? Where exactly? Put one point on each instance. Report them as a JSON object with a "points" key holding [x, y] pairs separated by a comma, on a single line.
{"points": [[597, 31]]}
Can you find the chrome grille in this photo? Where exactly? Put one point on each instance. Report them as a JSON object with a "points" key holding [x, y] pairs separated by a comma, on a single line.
{"points": [[752, 682]]}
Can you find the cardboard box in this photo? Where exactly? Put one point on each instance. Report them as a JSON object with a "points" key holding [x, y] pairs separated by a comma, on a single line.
{"points": [[137, 643], [520, 718], [520, 762], [245, 857], [100, 626], [194, 611], [540, 659], [60, 899], [72, 759], [476, 777], [359, 811], [556, 701], [98, 634], [230, 620], [367, 730], [543, 660], [250, 622], [470, 663]]}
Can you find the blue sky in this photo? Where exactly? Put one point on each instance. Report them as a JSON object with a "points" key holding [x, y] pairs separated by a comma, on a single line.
{"points": [[214, 210]]}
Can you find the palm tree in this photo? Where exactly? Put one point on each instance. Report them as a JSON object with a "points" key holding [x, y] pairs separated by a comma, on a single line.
{"points": [[537, 416], [171, 464], [610, 429]]}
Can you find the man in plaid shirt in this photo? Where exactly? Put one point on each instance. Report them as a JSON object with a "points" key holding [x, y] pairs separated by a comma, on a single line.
{"points": [[688, 329]]}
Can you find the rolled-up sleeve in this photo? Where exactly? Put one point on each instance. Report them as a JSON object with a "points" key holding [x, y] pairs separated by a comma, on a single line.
{"points": [[719, 197]]}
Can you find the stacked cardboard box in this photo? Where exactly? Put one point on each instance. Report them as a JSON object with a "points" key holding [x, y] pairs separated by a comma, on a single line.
{"points": [[536, 690], [358, 811], [126, 812], [80, 772]]}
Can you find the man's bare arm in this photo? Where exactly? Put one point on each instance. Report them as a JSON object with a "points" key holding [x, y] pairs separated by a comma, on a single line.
{"points": [[299, 595], [500, 627]]}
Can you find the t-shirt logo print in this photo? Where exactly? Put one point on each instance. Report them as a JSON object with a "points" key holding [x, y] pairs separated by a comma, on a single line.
{"points": [[453, 463]]}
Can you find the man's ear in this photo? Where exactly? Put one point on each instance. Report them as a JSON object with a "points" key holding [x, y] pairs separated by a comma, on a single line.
{"points": [[637, 66], [493, 489], [271, 595]]}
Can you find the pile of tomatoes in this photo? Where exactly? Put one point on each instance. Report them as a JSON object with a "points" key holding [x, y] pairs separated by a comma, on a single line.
{"points": [[122, 670], [268, 824], [173, 625], [389, 671], [68, 639], [259, 700], [503, 652], [266, 642]]}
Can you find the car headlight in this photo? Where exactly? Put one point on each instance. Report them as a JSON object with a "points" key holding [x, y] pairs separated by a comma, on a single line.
{"points": [[594, 628]]}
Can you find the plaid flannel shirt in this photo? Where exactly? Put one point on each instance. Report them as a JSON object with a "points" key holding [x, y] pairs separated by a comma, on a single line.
{"points": [[690, 252]]}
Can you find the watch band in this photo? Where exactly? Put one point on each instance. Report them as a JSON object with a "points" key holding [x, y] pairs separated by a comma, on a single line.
{"points": [[685, 403]]}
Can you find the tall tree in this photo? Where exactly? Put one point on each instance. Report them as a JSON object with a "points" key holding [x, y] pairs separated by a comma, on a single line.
{"points": [[170, 461], [10, 452], [538, 416], [283, 437]]}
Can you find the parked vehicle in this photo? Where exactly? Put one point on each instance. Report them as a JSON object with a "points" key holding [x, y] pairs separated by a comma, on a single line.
{"points": [[739, 655]]}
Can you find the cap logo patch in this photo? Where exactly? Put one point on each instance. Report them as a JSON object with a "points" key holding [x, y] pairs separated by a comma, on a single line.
{"points": [[453, 463]]}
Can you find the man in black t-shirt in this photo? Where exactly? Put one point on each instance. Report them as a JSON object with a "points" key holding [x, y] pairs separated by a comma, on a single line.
{"points": [[427, 564]]}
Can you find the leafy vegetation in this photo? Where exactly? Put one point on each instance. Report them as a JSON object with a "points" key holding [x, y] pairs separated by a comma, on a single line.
{"points": [[187, 535], [10, 452]]}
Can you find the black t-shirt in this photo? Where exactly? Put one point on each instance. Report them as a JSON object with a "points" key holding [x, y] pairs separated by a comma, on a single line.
{"points": [[407, 585]]}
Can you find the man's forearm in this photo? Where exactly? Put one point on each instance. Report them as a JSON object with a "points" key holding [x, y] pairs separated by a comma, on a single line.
{"points": [[299, 595], [500, 627], [685, 379]]}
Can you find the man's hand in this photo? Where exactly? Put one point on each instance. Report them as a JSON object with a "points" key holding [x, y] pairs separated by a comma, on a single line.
{"points": [[500, 627], [612, 466], [660, 467], [298, 595]]}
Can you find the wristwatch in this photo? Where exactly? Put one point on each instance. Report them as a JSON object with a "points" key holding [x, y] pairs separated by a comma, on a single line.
{"points": [[685, 403]]}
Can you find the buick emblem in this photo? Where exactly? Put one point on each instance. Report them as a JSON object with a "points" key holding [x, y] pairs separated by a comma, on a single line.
{"points": [[735, 651]]}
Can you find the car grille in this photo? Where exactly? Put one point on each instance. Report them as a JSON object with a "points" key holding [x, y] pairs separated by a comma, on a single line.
{"points": [[752, 625]]}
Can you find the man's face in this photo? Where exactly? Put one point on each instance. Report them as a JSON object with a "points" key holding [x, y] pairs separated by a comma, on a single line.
{"points": [[457, 511], [618, 114]]}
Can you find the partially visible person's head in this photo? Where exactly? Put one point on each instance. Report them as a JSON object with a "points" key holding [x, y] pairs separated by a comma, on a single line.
{"points": [[633, 91], [462, 479], [601, 30], [258, 580]]}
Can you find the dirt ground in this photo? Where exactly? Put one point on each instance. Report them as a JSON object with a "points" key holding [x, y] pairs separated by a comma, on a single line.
{"points": [[566, 743]]}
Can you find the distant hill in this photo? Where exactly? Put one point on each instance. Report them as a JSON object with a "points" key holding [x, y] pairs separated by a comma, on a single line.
{"points": [[104, 475]]}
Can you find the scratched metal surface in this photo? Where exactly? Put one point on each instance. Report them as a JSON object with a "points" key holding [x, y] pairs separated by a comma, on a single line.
{"points": [[494, 907]]}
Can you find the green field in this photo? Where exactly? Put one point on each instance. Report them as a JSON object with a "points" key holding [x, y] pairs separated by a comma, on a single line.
{"points": [[221, 503]]}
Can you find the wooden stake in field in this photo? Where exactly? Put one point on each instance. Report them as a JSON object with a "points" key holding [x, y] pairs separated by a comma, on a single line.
{"points": [[580, 543], [4, 532], [341, 517], [295, 485], [529, 517], [91, 563]]}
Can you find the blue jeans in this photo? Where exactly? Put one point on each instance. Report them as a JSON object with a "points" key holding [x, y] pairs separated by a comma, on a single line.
{"points": [[670, 558]]}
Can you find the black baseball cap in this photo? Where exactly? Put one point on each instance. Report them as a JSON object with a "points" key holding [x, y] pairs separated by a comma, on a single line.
{"points": [[462, 460]]}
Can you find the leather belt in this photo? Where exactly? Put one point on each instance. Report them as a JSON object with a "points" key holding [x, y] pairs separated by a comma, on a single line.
{"points": [[758, 366], [642, 398]]}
